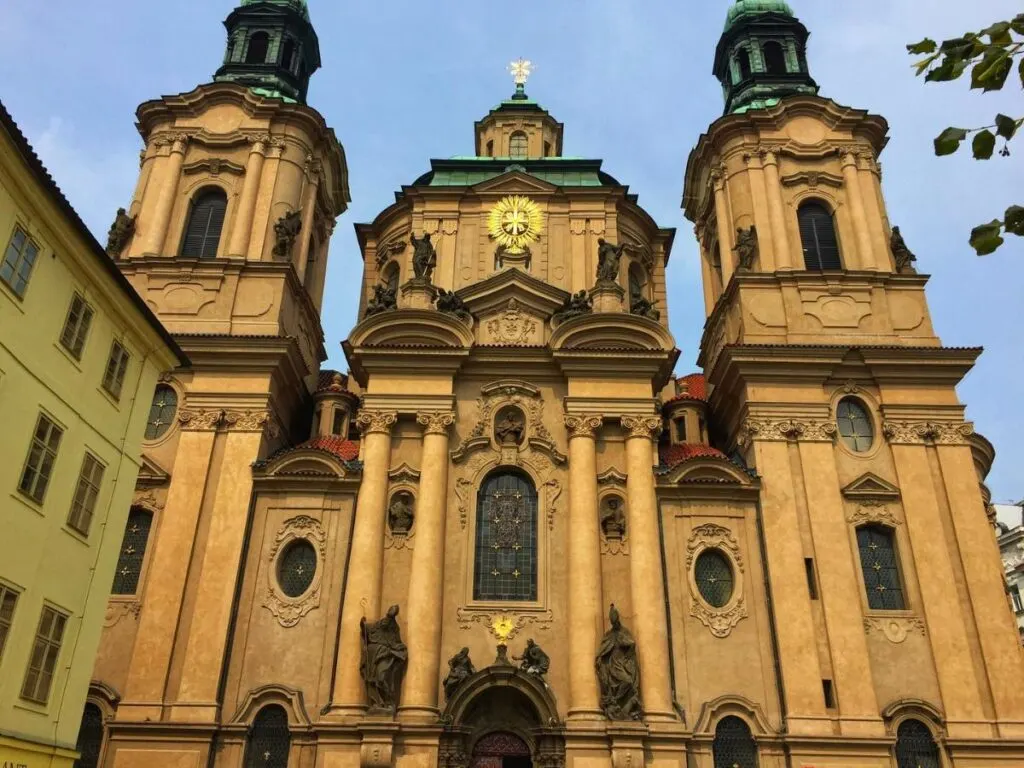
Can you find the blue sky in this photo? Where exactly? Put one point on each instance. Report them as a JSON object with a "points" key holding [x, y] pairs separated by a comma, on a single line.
{"points": [[403, 81]]}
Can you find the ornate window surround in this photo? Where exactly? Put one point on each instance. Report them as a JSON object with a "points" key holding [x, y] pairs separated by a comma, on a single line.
{"points": [[289, 610], [719, 621]]}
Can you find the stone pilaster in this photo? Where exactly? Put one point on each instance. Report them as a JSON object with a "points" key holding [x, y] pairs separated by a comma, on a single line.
{"points": [[240, 233], [155, 231], [851, 182], [777, 211]]}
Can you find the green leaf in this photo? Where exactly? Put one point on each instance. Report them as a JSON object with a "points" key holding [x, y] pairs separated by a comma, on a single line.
{"points": [[925, 46], [984, 145], [1014, 222], [990, 73], [949, 140], [923, 64], [1006, 126], [999, 33], [1017, 25], [986, 238], [950, 69], [1020, 71]]}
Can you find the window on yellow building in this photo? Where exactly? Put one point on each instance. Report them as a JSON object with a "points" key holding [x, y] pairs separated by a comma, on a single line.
{"points": [[518, 145], [90, 737], [915, 746], [818, 237], [205, 223], [117, 366], [45, 651], [8, 599], [734, 746], [19, 258], [133, 552], [76, 326], [269, 739], [161, 412], [506, 539], [881, 568], [42, 455], [86, 492], [855, 425]]}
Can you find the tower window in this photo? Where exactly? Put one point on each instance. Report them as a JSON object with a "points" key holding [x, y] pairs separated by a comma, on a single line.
{"points": [[743, 60], [880, 568], [205, 223], [547, 149], [338, 427], [518, 145], [259, 44], [288, 54], [915, 747], [774, 58], [855, 425], [269, 739], [734, 746], [133, 552], [90, 737], [818, 236], [506, 539], [490, 148]]}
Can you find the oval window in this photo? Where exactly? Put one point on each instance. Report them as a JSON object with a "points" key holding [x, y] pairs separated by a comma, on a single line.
{"points": [[161, 412], [855, 425], [713, 574], [296, 568]]}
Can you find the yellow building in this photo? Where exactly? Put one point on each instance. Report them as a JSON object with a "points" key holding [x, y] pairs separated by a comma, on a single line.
{"points": [[415, 564], [80, 356]]}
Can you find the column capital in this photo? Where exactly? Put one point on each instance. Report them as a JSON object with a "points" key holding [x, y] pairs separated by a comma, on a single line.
{"points": [[376, 421], [925, 432], [198, 420], [648, 427], [583, 426], [250, 421], [787, 430], [435, 422]]}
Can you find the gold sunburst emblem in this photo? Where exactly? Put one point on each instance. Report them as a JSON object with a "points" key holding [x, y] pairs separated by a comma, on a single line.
{"points": [[515, 222]]}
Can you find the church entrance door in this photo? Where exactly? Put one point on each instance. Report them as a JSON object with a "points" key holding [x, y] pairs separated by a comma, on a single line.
{"points": [[501, 750]]}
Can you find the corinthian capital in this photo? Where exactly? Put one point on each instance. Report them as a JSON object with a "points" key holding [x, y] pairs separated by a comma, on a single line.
{"points": [[248, 421], [642, 426], [195, 420], [435, 422], [376, 421], [925, 432], [583, 426]]}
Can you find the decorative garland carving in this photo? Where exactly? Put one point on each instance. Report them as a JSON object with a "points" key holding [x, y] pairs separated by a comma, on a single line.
{"points": [[583, 426], [504, 626], [370, 422], [648, 427], [553, 489], [436, 423], [787, 430], [870, 511], [895, 629], [289, 610], [721, 621], [195, 420], [927, 432], [119, 609]]}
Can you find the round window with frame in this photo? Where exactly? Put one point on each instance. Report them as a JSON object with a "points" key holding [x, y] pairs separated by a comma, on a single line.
{"points": [[713, 573], [296, 568], [856, 427]]}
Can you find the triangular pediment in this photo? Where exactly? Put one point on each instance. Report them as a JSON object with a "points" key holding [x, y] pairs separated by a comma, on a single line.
{"points": [[515, 182], [871, 486], [151, 474], [513, 285]]}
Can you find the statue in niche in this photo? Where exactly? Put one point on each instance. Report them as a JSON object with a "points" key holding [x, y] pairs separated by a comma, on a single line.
{"points": [[578, 304], [383, 661], [400, 513], [901, 254], [533, 661], [286, 232], [509, 427], [608, 257], [450, 303], [384, 299], [618, 672], [424, 258], [613, 519], [460, 669], [747, 247], [120, 233]]}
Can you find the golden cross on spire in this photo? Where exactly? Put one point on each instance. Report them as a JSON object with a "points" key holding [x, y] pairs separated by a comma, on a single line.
{"points": [[521, 69]]}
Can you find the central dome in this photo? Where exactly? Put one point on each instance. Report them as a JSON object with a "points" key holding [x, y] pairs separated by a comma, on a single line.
{"points": [[754, 7]]}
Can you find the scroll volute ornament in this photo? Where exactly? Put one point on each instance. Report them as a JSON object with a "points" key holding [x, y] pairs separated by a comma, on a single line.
{"points": [[376, 421], [648, 427], [583, 426], [436, 423]]}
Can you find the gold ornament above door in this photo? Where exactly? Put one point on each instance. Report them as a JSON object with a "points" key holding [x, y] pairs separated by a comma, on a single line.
{"points": [[514, 223]]}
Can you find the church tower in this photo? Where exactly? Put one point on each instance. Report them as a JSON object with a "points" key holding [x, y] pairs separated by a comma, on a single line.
{"points": [[826, 377]]}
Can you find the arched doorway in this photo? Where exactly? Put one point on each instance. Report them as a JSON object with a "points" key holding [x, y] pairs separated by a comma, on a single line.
{"points": [[501, 749]]}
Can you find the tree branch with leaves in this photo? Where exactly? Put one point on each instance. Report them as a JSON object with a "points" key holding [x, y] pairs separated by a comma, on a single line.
{"points": [[992, 54]]}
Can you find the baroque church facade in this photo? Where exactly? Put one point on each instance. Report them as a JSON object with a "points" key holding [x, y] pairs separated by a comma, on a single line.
{"points": [[510, 535]]}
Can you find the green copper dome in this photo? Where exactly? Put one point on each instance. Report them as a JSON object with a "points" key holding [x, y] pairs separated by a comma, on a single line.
{"points": [[298, 5], [753, 7]]}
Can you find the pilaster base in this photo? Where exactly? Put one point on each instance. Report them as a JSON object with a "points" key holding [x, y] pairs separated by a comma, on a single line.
{"points": [[608, 297]]}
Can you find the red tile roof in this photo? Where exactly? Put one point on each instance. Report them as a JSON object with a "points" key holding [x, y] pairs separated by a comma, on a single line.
{"points": [[674, 455], [692, 387], [346, 450]]}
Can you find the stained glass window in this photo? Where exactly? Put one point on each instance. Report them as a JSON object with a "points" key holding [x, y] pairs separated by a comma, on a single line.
{"points": [[133, 553], [269, 739], [161, 412], [713, 574], [506, 539], [915, 747], [296, 568], [90, 737], [881, 568], [734, 747], [855, 425]]}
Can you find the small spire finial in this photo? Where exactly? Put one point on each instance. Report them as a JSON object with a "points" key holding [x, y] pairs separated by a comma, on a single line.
{"points": [[521, 69]]}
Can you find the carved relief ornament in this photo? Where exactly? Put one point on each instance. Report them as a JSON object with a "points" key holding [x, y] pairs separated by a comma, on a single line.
{"points": [[787, 430], [927, 432], [436, 423], [871, 511], [249, 421], [381, 422], [720, 621], [583, 426], [289, 610], [119, 609], [896, 629], [504, 626], [197, 420], [512, 327], [648, 427]]}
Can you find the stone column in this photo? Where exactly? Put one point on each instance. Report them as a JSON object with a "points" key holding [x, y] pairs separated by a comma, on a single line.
{"points": [[426, 580], [362, 592], [647, 584], [156, 230], [240, 234], [584, 567], [777, 212], [851, 182]]}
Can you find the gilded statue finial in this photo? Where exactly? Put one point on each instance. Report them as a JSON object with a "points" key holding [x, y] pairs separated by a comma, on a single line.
{"points": [[521, 69]]}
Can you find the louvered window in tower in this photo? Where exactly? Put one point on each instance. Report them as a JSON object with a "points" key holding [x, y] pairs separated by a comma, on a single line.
{"points": [[133, 552], [518, 145], [734, 747], [818, 236], [258, 46], [205, 223], [269, 739], [90, 737], [506, 539], [880, 567], [774, 58], [915, 747]]}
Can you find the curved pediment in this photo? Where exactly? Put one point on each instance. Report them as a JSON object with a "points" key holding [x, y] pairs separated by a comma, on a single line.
{"points": [[411, 328], [612, 331], [710, 470]]}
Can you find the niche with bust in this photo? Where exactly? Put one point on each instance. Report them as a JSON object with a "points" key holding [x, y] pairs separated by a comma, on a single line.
{"points": [[401, 513], [613, 518], [509, 426]]}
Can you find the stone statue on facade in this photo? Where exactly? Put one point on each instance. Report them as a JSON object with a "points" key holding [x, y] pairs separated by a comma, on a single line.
{"points": [[384, 299], [533, 661], [613, 519], [460, 669], [400, 513], [450, 303], [509, 428], [901, 254], [608, 258], [747, 247], [286, 232], [578, 304], [424, 258], [383, 661], [618, 672], [643, 307], [120, 233]]}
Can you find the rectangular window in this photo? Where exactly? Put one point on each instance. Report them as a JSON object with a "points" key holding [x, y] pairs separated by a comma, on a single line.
{"points": [[339, 422], [8, 599], [880, 567], [42, 454], [812, 583], [680, 430], [117, 366], [86, 492], [829, 693], [45, 650], [19, 259], [1018, 604], [76, 327]]}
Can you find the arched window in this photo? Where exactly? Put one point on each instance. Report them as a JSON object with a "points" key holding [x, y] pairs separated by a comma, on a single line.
{"points": [[818, 236], [855, 425], [743, 59], [506, 538], [881, 568], [915, 747], [90, 737], [734, 747], [288, 54], [774, 58], [269, 739], [205, 222], [518, 145], [258, 46], [133, 552]]}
